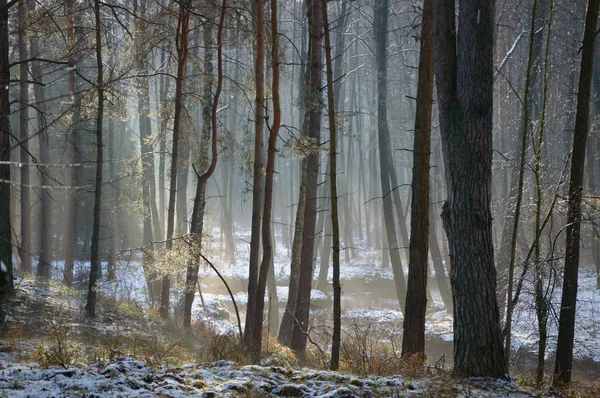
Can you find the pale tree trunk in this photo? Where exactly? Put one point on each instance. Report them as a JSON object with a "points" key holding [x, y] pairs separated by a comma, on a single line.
{"points": [[95, 264], [73, 149], [413, 341], [45, 250], [566, 324]]}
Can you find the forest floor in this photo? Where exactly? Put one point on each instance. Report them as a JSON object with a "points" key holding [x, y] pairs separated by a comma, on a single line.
{"points": [[49, 349]]}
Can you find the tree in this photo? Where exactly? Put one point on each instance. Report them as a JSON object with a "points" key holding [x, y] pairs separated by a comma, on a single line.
{"points": [[181, 45], [95, 264], [386, 165], [566, 324], [313, 111], [25, 246], [463, 68], [337, 289], [5, 227], [413, 341]]}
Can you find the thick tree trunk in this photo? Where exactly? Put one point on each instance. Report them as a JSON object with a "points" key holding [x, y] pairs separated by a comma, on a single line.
{"points": [[95, 264], [413, 341], [566, 325], [464, 78]]}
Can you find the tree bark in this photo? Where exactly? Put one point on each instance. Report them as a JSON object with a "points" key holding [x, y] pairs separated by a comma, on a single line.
{"points": [[566, 325], [464, 79], [413, 341]]}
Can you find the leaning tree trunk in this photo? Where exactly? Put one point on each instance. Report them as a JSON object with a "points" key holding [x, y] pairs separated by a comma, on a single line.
{"points": [[413, 341], [566, 324], [464, 79]]}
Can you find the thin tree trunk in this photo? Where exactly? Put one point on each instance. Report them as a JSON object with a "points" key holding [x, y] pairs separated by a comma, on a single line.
{"points": [[413, 341], [566, 325], [313, 109], [181, 43], [337, 288], [385, 155], [6, 284], [95, 265], [45, 252], [25, 246], [73, 148], [250, 338]]}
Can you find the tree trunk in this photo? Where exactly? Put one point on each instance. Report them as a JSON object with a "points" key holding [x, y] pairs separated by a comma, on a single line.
{"points": [[5, 227], [25, 246], [385, 155], [95, 264], [464, 79], [181, 44], [413, 341], [73, 148], [566, 325], [313, 108], [45, 252], [337, 288]]}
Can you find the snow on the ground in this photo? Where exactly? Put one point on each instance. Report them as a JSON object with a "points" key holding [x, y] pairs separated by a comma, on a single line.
{"points": [[128, 377]]}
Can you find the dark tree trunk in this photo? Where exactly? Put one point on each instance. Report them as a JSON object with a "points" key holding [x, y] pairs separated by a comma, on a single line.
{"points": [[337, 288], [413, 341], [257, 183], [313, 108], [257, 321], [209, 121], [386, 165], [566, 325], [95, 264], [464, 79], [5, 227], [25, 246], [181, 44]]}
